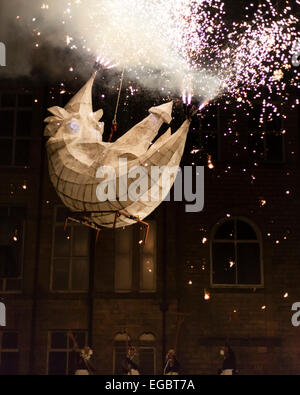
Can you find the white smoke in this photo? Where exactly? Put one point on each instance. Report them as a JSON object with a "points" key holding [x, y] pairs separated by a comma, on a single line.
{"points": [[144, 37]]}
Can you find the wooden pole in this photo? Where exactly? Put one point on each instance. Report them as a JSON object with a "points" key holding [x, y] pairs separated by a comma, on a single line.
{"points": [[180, 320]]}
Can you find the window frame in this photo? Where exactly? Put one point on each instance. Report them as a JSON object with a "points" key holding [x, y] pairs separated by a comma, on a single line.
{"points": [[153, 348], [14, 138], [3, 280], [235, 241], [119, 344], [149, 345], [10, 350], [142, 255], [130, 260], [61, 350], [136, 261], [140, 345], [56, 224], [214, 132], [262, 131], [115, 347]]}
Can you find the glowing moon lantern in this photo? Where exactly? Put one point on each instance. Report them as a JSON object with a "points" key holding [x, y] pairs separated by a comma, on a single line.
{"points": [[76, 152]]}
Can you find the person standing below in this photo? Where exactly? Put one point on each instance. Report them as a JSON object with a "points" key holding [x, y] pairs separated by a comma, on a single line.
{"points": [[84, 366], [172, 366], [130, 367], [80, 361], [229, 363]]}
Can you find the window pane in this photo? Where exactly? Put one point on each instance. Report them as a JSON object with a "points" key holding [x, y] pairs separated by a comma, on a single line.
{"points": [[9, 262], [254, 119], [245, 231], [10, 247], [80, 274], [24, 123], [80, 241], [62, 243], [9, 363], [5, 152], [25, 100], [60, 275], [17, 212], [274, 147], [148, 260], [210, 120], [123, 260], [22, 153], [223, 254], [57, 363], [256, 146], [11, 234], [13, 285], [8, 227], [146, 357], [275, 125], [120, 353], [80, 338], [4, 211], [7, 123], [10, 340], [225, 231], [72, 365], [61, 214], [59, 340], [8, 100], [147, 274], [248, 263], [210, 145], [123, 273]]}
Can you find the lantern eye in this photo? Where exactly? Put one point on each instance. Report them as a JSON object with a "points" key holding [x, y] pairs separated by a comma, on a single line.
{"points": [[74, 126]]}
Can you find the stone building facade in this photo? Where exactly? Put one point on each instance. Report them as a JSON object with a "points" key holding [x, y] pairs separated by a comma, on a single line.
{"points": [[230, 273]]}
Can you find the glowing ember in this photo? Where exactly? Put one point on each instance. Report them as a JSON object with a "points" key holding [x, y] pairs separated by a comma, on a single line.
{"points": [[210, 163], [206, 295], [231, 264]]}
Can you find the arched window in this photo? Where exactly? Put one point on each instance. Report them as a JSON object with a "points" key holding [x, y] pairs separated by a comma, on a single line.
{"points": [[147, 354], [236, 254], [145, 357], [120, 349]]}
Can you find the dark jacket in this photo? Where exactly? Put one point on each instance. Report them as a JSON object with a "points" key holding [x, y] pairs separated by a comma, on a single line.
{"points": [[229, 361], [128, 365], [81, 364], [172, 366]]}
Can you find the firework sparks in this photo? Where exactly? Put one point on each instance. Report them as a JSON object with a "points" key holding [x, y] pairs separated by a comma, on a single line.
{"points": [[190, 42]]}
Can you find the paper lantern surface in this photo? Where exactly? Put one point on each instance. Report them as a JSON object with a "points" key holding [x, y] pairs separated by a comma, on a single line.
{"points": [[76, 152]]}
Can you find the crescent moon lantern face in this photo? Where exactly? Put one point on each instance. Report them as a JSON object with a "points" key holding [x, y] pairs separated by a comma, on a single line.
{"points": [[76, 151]]}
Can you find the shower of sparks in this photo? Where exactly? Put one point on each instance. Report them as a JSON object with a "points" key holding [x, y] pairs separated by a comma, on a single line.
{"points": [[105, 63], [190, 43]]}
